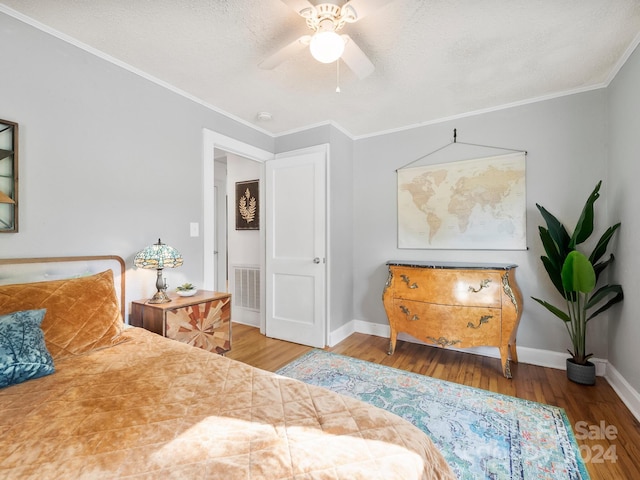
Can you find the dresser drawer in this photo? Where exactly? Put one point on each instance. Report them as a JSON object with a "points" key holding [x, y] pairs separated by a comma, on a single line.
{"points": [[447, 325], [448, 287]]}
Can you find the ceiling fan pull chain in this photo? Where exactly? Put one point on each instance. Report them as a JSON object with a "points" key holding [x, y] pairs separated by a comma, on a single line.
{"points": [[338, 76]]}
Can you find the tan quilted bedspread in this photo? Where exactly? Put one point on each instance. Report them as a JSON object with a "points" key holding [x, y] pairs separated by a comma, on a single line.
{"points": [[153, 408]]}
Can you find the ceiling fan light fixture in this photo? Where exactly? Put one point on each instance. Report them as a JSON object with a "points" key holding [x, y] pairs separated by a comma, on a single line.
{"points": [[326, 46]]}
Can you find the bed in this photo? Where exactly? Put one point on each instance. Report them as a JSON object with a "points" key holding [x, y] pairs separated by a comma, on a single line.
{"points": [[112, 401]]}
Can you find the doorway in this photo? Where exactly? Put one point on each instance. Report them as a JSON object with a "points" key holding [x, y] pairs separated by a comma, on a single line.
{"points": [[280, 302], [237, 251], [216, 143]]}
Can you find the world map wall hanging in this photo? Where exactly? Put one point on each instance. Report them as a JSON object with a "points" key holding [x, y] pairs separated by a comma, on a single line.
{"points": [[470, 204]]}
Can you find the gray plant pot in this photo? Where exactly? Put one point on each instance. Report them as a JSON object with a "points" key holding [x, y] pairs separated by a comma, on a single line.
{"points": [[583, 374]]}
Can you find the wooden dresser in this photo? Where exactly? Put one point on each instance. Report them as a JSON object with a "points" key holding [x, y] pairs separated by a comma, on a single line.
{"points": [[203, 320], [457, 305]]}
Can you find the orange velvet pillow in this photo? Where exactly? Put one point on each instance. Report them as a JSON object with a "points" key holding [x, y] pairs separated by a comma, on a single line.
{"points": [[83, 313]]}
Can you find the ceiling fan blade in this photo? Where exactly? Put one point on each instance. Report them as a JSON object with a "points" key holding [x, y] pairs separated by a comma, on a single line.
{"points": [[357, 9], [302, 7], [356, 59], [285, 52]]}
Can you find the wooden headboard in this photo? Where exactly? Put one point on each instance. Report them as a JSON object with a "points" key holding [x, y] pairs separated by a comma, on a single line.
{"points": [[24, 270]]}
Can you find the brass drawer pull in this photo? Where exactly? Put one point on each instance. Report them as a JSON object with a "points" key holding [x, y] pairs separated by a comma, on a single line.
{"points": [[483, 284], [443, 342], [483, 319], [410, 317], [406, 280]]}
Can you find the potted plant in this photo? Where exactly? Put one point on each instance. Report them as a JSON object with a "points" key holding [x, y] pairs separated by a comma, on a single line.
{"points": [[186, 290], [575, 276]]}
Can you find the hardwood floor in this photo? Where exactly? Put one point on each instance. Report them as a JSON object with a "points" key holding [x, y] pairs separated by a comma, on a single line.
{"points": [[588, 408]]}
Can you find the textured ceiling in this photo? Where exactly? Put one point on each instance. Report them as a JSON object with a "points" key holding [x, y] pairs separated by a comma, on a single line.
{"points": [[434, 59]]}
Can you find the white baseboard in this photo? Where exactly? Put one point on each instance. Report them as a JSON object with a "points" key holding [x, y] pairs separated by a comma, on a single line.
{"points": [[534, 356], [629, 396], [338, 335], [357, 326], [250, 323]]}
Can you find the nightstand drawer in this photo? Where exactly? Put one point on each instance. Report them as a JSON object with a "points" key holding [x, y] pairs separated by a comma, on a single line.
{"points": [[203, 320], [205, 325]]}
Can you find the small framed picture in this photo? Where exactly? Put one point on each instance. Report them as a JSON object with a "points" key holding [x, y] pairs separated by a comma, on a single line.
{"points": [[247, 206]]}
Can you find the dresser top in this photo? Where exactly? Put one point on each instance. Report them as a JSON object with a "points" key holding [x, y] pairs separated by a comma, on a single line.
{"points": [[452, 265]]}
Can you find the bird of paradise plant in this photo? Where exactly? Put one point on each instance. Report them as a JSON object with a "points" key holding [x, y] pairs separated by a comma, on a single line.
{"points": [[575, 275]]}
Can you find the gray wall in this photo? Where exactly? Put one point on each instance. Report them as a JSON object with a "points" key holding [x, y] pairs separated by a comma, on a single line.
{"points": [[624, 204], [341, 229], [108, 160], [566, 143]]}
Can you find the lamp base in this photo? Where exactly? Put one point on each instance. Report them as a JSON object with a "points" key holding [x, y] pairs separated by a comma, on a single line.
{"points": [[161, 287], [160, 297]]}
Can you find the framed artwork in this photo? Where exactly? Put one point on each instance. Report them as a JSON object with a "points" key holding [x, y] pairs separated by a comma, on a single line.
{"points": [[8, 177], [247, 207]]}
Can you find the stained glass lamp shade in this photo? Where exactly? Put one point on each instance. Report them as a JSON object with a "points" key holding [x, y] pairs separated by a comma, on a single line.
{"points": [[158, 256]]}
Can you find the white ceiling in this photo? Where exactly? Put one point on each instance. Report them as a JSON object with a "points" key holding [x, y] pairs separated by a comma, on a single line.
{"points": [[434, 59]]}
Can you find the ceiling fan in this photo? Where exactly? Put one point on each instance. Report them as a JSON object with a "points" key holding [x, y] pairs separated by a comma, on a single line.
{"points": [[325, 44]]}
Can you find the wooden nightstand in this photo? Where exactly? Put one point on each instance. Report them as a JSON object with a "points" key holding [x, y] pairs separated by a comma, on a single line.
{"points": [[203, 320]]}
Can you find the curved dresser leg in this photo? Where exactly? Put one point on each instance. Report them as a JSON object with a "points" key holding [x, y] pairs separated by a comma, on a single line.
{"points": [[514, 353], [504, 359], [392, 342]]}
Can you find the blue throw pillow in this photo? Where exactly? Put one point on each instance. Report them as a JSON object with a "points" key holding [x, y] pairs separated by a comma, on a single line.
{"points": [[23, 353]]}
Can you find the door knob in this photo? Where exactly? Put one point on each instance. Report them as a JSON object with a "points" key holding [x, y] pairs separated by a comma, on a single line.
{"points": [[316, 260]]}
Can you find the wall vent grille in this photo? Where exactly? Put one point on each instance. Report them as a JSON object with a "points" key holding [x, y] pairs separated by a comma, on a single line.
{"points": [[247, 287]]}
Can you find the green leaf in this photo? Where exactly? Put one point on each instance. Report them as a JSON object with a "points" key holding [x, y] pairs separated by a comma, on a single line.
{"points": [[555, 310], [551, 249], [556, 230], [555, 274], [601, 247], [584, 227], [600, 266], [578, 274], [603, 293]]}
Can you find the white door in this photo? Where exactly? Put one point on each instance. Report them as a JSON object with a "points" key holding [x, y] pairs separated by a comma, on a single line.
{"points": [[295, 247]]}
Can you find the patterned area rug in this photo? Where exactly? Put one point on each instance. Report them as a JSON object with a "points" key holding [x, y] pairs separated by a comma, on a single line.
{"points": [[481, 434]]}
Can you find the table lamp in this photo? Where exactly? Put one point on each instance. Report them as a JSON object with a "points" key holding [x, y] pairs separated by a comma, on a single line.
{"points": [[158, 256]]}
